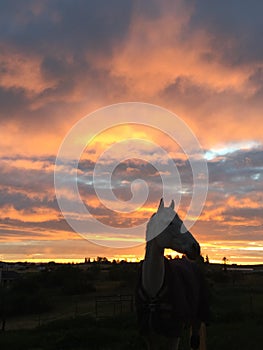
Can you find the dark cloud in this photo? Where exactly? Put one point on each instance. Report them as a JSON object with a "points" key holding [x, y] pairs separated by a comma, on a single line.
{"points": [[256, 81], [86, 165], [132, 169], [40, 227], [150, 10], [243, 214], [183, 91], [12, 100], [211, 103], [45, 159], [21, 202], [235, 28], [26, 180], [237, 170], [14, 233], [220, 232], [67, 36], [16, 105], [57, 68], [29, 110], [64, 25]]}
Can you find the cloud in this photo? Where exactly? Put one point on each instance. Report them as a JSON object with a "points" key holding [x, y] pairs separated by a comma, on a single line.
{"points": [[227, 110], [234, 178], [241, 168], [20, 201], [235, 29], [51, 54], [12, 99], [61, 62], [65, 25], [26, 175]]}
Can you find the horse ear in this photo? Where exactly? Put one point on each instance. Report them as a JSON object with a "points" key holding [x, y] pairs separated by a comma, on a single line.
{"points": [[172, 204], [161, 204]]}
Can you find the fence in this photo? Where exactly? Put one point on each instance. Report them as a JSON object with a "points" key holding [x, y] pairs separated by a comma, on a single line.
{"points": [[111, 305], [98, 306]]}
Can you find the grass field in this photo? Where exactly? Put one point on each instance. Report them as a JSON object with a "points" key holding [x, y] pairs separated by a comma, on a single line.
{"points": [[120, 333], [236, 321]]}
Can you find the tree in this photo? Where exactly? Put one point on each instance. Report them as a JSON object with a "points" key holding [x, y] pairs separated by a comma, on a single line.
{"points": [[102, 259], [225, 260]]}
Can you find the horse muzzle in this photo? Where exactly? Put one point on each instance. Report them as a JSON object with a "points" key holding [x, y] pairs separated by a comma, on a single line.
{"points": [[194, 252]]}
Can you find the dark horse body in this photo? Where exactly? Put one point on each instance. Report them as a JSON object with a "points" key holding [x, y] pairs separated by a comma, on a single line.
{"points": [[182, 301]]}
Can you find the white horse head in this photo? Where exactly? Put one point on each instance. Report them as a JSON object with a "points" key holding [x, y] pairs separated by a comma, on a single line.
{"points": [[169, 231]]}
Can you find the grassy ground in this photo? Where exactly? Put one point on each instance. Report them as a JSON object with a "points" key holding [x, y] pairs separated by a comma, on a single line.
{"points": [[120, 333], [236, 323]]}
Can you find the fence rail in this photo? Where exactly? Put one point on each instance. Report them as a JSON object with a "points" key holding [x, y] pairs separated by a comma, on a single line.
{"points": [[106, 305], [98, 306]]}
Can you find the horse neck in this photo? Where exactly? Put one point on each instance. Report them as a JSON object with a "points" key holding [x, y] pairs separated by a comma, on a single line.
{"points": [[153, 268]]}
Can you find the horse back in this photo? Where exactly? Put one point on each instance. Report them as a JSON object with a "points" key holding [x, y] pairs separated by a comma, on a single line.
{"points": [[180, 300], [186, 285]]}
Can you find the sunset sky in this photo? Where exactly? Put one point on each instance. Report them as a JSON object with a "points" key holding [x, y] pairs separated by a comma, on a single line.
{"points": [[61, 60]]}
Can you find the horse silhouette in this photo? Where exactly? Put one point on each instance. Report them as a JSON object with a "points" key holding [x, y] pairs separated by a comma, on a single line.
{"points": [[171, 294]]}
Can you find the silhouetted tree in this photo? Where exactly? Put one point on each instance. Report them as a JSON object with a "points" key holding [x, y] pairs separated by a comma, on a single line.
{"points": [[102, 260], [225, 260]]}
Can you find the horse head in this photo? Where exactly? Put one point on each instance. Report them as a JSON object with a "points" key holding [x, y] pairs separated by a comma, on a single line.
{"points": [[166, 227]]}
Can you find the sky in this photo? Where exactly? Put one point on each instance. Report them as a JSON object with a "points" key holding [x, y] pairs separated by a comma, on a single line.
{"points": [[61, 61]]}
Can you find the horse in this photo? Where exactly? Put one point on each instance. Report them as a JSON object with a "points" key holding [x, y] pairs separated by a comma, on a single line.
{"points": [[170, 294]]}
